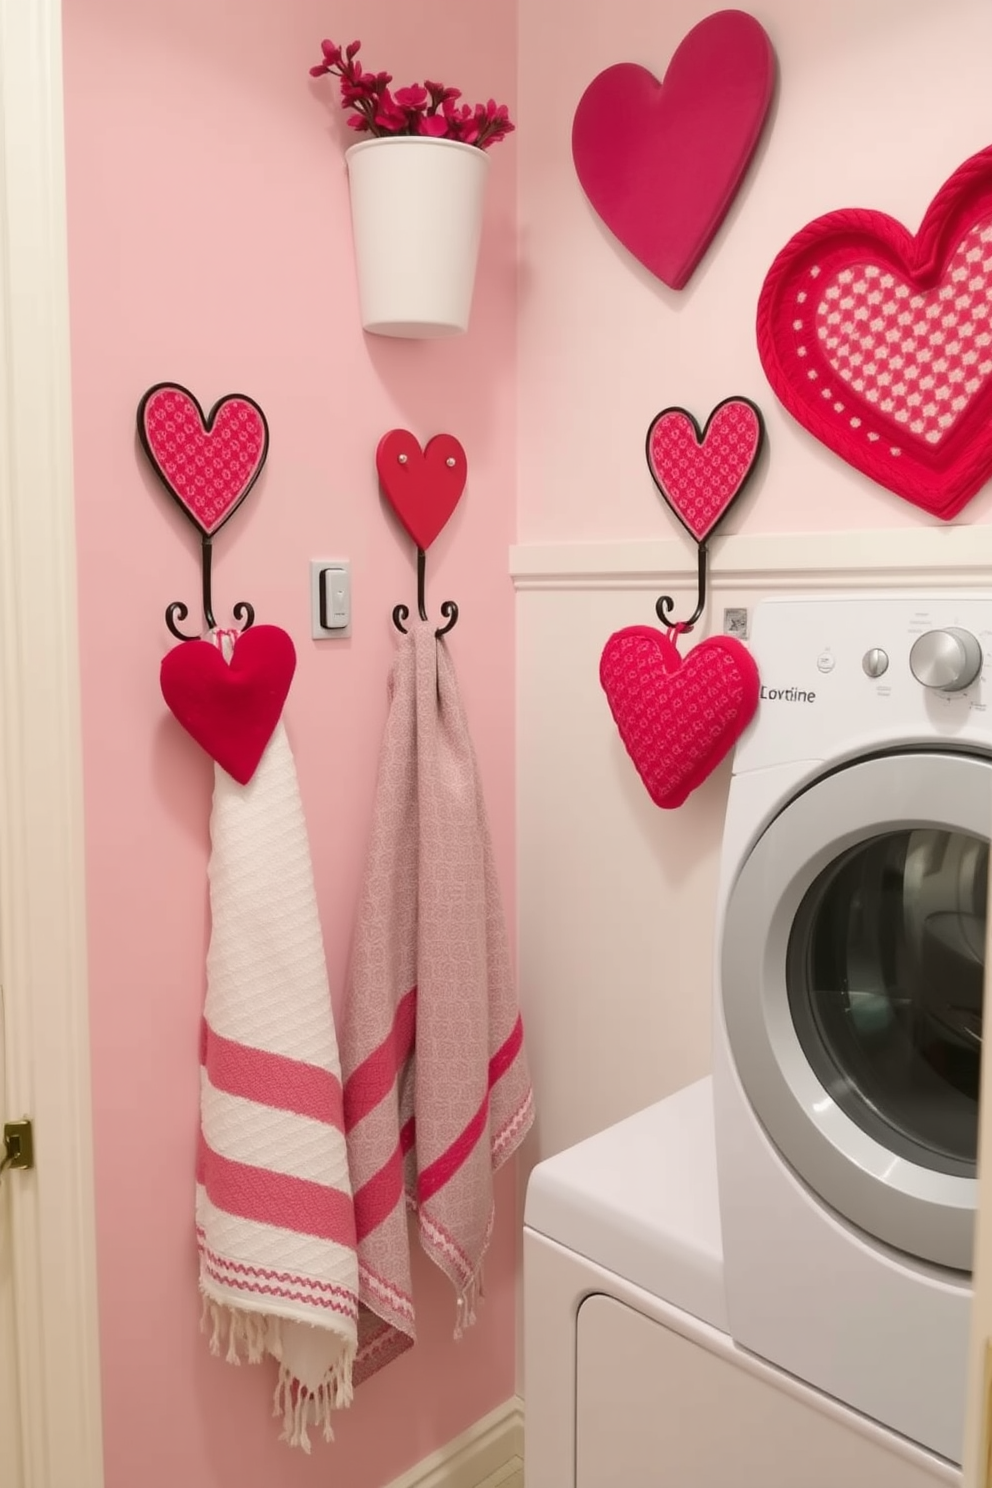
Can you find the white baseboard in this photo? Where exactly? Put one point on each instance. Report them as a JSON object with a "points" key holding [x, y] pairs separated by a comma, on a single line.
{"points": [[477, 1457]]}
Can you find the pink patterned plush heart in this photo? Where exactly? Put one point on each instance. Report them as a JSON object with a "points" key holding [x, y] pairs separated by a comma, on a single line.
{"points": [[209, 464], [677, 718], [878, 343], [662, 162], [700, 472], [423, 486]]}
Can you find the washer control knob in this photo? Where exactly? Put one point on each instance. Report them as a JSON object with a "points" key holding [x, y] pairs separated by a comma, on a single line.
{"points": [[946, 659], [875, 662]]}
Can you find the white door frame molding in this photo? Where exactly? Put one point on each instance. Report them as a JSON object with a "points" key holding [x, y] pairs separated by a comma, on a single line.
{"points": [[42, 885]]}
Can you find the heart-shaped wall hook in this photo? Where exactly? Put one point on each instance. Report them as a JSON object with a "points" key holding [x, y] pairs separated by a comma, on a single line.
{"points": [[662, 162], [423, 486], [877, 342], [701, 472], [207, 463]]}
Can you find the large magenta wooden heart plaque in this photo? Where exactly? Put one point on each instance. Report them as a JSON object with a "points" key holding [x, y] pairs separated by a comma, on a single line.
{"points": [[662, 162], [880, 343]]}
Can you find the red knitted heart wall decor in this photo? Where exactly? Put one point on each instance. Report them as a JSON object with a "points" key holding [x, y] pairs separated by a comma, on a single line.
{"points": [[678, 718], [701, 472], [662, 162], [423, 486], [206, 463], [880, 343], [231, 710]]}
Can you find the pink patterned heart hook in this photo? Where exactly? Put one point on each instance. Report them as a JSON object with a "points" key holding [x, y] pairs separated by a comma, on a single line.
{"points": [[700, 472], [208, 464], [423, 486]]}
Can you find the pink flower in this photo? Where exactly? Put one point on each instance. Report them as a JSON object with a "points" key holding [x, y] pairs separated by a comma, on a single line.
{"points": [[388, 116], [427, 109], [440, 94], [332, 59], [435, 126], [414, 97]]}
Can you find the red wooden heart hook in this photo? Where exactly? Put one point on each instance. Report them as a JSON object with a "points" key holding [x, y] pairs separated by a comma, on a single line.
{"points": [[423, 486]]}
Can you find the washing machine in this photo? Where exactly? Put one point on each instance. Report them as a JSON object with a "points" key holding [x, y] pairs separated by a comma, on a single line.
{"points": [[848, 1015]]}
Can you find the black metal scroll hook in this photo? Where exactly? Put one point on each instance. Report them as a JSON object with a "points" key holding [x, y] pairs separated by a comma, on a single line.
{"points": [[448, 609], [665, 605], [178, 611]]}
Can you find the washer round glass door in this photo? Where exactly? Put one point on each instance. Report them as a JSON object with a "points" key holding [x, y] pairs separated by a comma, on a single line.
{"points": [[852, 970]]}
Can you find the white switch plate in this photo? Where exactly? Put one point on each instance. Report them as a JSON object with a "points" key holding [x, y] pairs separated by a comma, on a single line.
{"points": [[336, 592]]}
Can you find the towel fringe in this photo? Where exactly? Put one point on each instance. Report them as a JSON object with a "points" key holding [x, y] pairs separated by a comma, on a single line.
{"points": [[470, 1295], [299, 1406], [245, 1332], [242, 1335]]}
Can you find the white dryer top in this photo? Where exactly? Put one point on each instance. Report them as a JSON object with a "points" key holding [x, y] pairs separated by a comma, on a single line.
{"points": [[640, 1199]]}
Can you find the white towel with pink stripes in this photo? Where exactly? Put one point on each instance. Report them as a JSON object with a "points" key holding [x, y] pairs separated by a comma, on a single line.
{"points": [[274, 1214]]}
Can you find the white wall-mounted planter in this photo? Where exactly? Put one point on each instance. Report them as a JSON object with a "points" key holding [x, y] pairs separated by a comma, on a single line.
{"points": [[416, 212]]}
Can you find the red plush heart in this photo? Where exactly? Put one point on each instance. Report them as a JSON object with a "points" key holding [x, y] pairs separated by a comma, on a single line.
{"points": [[423, 486], [878, 343], [701, 472], [677, 718], [661, 162], [208, 464], [231, 710]]}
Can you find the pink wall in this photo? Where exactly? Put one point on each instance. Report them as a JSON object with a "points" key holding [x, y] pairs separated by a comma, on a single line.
{"points": [[878, 101], [210, 243]]}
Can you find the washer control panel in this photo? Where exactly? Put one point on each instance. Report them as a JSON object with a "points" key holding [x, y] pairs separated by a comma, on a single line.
{"points": [[846, 673]]}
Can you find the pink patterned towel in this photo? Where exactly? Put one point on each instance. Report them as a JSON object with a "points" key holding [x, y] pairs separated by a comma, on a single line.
{"points": [[274, 1215], [437, 1093]]}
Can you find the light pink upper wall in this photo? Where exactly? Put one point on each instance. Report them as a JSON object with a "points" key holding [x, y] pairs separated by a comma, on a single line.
{"points": [[210, 244], [878, 101]]}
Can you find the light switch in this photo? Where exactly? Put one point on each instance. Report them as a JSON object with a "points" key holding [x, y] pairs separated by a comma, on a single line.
{"points": [[330, 598]]}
